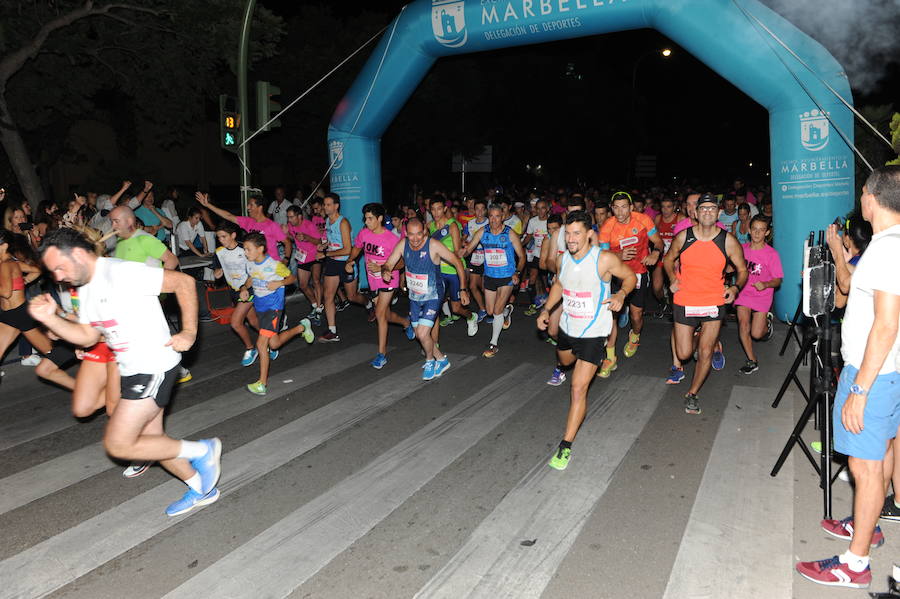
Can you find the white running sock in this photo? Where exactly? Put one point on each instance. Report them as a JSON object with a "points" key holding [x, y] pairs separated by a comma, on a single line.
{"points": [[857, 563], [333, 330], [498, 327], [369, 305], [446, 309], [195, 482], [192, 449]]}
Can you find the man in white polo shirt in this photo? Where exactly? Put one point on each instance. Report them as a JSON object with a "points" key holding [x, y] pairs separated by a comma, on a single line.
{"points": [[867, 404]]}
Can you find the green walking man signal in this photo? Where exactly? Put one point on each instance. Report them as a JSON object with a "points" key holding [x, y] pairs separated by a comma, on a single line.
{"points": [[229, 123]]}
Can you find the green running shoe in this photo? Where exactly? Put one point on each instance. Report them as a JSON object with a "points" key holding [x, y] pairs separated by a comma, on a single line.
{"points": [[257, 388], [560, 459], [307, 333]]}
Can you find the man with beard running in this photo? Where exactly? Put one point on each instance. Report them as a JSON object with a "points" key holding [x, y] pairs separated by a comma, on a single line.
{"points": [[118, 300], [583, 285], [698, 285]]}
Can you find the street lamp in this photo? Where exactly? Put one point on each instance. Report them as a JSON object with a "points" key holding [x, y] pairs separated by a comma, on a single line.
{"points": [[667, 52]]}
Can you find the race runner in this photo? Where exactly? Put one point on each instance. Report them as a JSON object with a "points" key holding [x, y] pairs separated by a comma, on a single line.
{"points": [[422, 257], [504, 259], [376, 243], [583, 285], [628, 234], [119, 300], [699, 289]]}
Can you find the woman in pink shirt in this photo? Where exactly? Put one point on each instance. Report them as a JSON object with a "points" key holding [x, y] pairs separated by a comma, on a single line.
{"points": [[755, 299], [376, 243], [305, 237]]}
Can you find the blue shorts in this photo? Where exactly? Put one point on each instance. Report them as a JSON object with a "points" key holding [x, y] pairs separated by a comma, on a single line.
{"points": [[451, 284], [424, 314], [881, 416]]}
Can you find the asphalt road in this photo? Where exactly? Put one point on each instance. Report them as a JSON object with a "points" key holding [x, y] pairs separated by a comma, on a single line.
{"points": [[350, 482]]}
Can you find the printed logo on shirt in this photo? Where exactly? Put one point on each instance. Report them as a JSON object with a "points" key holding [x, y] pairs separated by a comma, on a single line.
{"points": [[371, 248], [754, 268]]}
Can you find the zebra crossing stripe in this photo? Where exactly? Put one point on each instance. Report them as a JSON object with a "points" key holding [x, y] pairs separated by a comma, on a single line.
{"points": [[56, 416], [302, 543], [751, 513], [54, 562], [493, 562], [48, 477]]}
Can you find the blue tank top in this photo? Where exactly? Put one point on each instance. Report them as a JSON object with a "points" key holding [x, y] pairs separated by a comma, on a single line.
{"points": [[335, 241], [423, 280], [499, 254]]}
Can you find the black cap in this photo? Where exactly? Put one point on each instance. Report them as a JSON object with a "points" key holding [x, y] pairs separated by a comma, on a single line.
{"points": [[708, 198]]}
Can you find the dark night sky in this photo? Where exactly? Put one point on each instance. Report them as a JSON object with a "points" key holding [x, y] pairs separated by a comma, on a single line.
{"points": [[693, 120]]}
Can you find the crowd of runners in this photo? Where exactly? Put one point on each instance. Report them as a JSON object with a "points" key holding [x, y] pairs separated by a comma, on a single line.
{"points": [[124, 285]]}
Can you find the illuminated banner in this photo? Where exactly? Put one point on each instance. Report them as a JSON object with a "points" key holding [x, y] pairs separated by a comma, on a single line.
{"points": [[811, 164]]}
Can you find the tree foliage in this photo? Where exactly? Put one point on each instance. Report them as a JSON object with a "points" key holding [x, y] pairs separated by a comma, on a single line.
{"points": [[161, 58]]}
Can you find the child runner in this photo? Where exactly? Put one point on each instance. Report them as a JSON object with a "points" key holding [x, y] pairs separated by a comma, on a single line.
{"points": [[230, 263], [377, 243], [755, 300], [268, 277]]}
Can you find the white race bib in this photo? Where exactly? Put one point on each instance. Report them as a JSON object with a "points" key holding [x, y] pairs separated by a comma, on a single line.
{"points": [[578, 304], [301, 256], [495, 257], [638, 284], [416, 283], [477, 258], [701, 311], [334, 246]]}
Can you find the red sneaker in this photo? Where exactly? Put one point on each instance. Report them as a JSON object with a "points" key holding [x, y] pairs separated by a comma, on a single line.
{"points": [[843, 529], [832, 572]]}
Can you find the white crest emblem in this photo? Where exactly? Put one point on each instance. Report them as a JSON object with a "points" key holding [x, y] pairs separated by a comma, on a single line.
{"points": [[814, 130], [448, 21], [336, 148]]}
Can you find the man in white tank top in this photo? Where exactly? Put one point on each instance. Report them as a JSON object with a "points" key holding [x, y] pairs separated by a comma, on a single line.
{"points": [[587, 305]]}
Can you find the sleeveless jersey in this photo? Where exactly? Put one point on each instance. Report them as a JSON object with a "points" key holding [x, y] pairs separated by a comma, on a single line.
{"points": [[443, 235], [702, 272], [422, 280], [667, 232], [499, 253], [584, 313], [335, 241]]}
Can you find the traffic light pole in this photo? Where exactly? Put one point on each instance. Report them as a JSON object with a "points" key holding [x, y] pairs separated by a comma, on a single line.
{"points": [[244, 149]]}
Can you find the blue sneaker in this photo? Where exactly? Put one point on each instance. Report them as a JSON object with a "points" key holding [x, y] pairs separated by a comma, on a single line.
{"points": [[441, 366], [379, 361], [489, 319], [675, 376], [192, 499], [558, 378], [273, 354], [623, 317], [718, 360], [410, 332], [428, 372], [482, 314], [209, 465], [249, 357]]}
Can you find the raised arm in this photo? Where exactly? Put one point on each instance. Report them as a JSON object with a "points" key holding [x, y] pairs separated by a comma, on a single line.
{"points": [[203, 199]]}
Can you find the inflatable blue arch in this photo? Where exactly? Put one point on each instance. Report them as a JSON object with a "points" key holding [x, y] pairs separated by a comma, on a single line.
{"points": [[809, 129]]}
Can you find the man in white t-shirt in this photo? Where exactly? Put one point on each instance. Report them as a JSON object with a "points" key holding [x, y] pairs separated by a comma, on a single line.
{"points": [[278, 208], [119, 301], [866, 413]]}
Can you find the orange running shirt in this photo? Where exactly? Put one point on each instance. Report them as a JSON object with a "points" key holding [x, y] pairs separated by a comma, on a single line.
{"points": [[701, 279], [616, 236]]}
